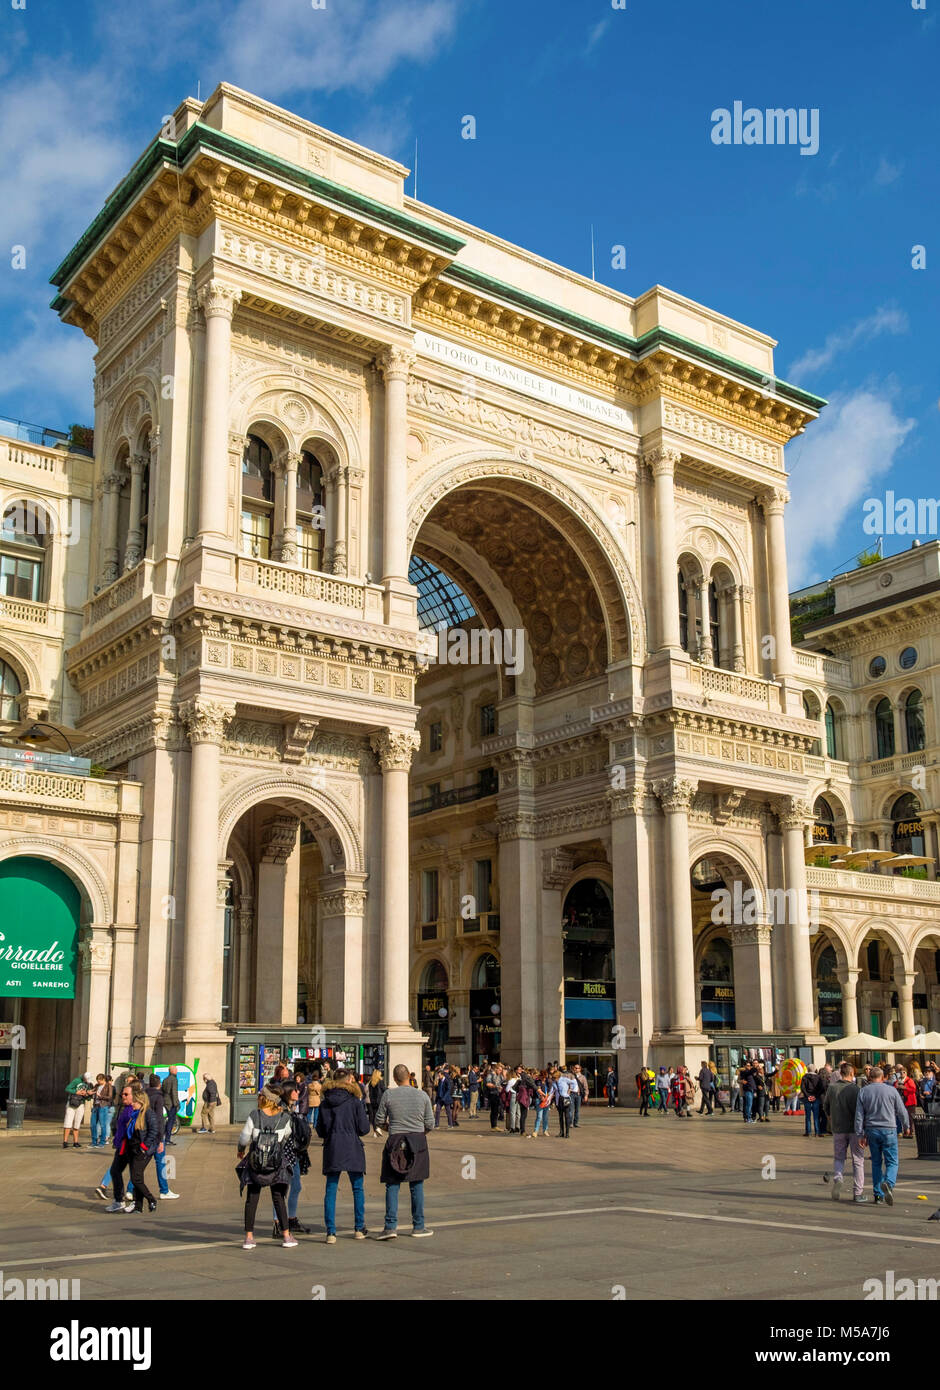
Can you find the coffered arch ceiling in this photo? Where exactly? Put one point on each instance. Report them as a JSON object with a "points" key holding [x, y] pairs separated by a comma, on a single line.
{"points": [[541, 569]]}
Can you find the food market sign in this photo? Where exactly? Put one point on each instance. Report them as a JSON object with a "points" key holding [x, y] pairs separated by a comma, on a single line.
{"points": [[39, 915]]}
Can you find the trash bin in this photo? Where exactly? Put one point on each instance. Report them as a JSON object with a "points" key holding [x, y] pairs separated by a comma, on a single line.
{"points": [[16, 1112], [927, 1134]]}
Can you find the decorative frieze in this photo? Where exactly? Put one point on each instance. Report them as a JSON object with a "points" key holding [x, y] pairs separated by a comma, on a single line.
{"points": [[722, 436]]}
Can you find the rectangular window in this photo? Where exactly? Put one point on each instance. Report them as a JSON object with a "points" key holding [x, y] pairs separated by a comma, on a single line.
{"points": [[435, 738], [482, 884], [429, 897], [434, 792], [489, 781], [310, 547], [20, 578], [487, 720], [256, 535]]}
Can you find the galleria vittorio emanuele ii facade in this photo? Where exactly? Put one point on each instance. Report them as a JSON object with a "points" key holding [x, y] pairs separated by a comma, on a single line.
{"points": [[591, 816]]}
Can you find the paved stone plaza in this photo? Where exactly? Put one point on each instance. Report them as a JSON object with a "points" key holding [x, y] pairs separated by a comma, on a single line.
{"points": [[628, 1207]]}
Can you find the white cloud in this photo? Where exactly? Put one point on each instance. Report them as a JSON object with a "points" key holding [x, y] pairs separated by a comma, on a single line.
{"points": [[887, 173], [596, 34], [853, 444], [354, 45], [47, 370], [883, 320]]}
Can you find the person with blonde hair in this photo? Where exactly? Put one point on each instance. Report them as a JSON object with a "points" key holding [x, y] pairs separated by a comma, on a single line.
{"points": [[136, 1131]]}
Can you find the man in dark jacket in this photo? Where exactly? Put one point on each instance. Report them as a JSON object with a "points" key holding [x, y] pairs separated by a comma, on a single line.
{"points": [[210, 1099], [810, 1088], [341, 1124], [171, 1103], [155, 1099], [706, 1084], [839, 1104], [407, 1115], [444, 1096]]}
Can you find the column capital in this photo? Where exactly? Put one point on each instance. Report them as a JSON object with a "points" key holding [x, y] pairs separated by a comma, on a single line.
{"points": [[343, 902], [751, 934], [557, 868], [626, 801], [395, 363], [791, 813], [395, 748], [206, 720], [675, 794], [662, 461], [113, 482], [218, 299], [278, 839], [153, 442], [773, 500], [137, 463]]}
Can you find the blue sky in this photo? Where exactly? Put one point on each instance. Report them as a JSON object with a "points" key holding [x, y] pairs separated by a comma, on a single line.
{"points": [[584, 114]]}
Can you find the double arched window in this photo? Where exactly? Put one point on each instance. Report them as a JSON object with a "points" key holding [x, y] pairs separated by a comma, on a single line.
{"points": [[884, 729], [282, 511], [310, 513], [9, 692], [915, 729], [257, 498], [23, 534]]}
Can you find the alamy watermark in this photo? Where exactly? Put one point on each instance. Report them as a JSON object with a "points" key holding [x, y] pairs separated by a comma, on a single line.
{"points": [[481, 646], [750, 125], [901, 516]]}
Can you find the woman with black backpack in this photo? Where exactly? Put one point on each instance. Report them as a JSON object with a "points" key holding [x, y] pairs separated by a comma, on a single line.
{"points": [[266, 1157], [293, 1102]]}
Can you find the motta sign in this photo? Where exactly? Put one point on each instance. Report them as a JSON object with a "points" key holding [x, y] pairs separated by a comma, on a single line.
{"points": [[33, 966], [473, 363]]}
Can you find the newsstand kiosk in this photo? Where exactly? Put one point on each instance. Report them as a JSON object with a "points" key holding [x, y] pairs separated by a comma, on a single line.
{"points": [[256, 1052]]}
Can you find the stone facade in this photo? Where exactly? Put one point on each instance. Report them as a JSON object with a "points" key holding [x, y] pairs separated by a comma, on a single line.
{"points": [[304, 379]]}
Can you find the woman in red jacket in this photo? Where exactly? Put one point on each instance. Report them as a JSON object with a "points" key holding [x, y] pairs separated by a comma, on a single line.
{"points": [[908, 1088]]}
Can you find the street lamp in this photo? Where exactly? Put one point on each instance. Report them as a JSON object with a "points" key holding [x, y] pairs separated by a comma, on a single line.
{"points": [[34, 735]]}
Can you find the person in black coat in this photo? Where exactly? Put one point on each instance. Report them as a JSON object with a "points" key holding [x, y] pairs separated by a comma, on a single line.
{"points": [[444, 1096], [136, 1133], [341, 1124]]}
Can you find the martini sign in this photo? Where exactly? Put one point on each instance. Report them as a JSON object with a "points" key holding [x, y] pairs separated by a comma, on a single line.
{"points": [[39, 914]]}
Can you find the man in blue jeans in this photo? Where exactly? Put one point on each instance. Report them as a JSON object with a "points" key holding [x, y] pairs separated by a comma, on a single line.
{"points": [[879, 1110], [407, 1115]]}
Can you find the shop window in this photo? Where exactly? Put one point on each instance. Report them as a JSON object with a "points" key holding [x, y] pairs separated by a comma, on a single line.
{"points": [[716, 985], [907, 836]]}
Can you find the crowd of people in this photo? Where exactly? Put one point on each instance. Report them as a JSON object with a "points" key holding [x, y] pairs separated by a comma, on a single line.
{"points": [[509, 1094], [870, 1112]]}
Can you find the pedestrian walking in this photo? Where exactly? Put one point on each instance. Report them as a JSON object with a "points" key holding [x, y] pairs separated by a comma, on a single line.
{"points": [[810, 1088], [525, 1096], [663, 1087], [314, 1096], [79, 1090], [407, 1115], [266, 1157], [292, 1098], [473, 1087], [491, 1089], [376, 1090], [155, 1101], [136, 1135], [706, 1084], [341, 1124], [544, 1091], [443, 1099], [761, 1095], [683, 1092], [210, 1099], [563, 1084], [578, 1097], [610, 1085], [102, 1110], [907, 1089], [509, 1102], [171, 1103], [645, 1080], [876, 1122], [716, 1088], [840, 1104]]}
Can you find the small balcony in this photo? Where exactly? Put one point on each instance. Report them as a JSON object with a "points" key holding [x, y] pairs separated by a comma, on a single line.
{"points": [[269, 578], [873, 885], [22, 610], [486, 785]]}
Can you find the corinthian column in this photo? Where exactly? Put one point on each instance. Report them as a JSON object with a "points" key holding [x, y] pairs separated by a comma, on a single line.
{"points": [[395, 364], [205, 722], [289, 535], [792, 815], [773, 503], [662, 463], [395, 749], [132, 550], [676, 797], [218, 302], [111, 487]]}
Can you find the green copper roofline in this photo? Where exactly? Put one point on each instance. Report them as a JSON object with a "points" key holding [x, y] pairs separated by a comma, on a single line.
{"points": [[202, 137], [622, 342]]}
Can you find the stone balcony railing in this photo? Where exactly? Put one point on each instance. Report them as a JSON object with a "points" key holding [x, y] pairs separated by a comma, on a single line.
{"points": [[872, 885], [825, 766], [901, 762], [821, 667], [21, 610], [333, 591], [48, 461], [713, 680], [128, 587], [62, 791]]}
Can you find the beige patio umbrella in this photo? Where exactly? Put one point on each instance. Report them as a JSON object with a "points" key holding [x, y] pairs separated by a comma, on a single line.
{"points": [[907, 861], [858, 1042], [920, 1042], [869, 856], [823, 850]]}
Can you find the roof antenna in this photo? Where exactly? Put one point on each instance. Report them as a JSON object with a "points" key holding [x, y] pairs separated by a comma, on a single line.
{"points": [[592, 250], [416, 169], [198, 91]]}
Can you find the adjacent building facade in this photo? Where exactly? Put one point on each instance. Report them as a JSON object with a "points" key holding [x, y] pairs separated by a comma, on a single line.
{"points": [[328, 421]]}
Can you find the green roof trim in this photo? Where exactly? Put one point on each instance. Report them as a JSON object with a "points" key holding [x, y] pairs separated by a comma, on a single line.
{"points": [[201, 137], [623, 342]]}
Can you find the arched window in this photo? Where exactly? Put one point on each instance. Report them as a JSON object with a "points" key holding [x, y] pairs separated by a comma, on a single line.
{"points": [[811, 711], [828, 994], [683, 613], [310, 513], [823, 822], [716, 985], [22, 551], [914, 727], [9, 692], [485, 973], [832, 740], [884, 729], [714, 623], [257, 498], [433, 976]]}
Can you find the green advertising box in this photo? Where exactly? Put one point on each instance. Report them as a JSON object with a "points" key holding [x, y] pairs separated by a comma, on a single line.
{"points": [[39, 918]]}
